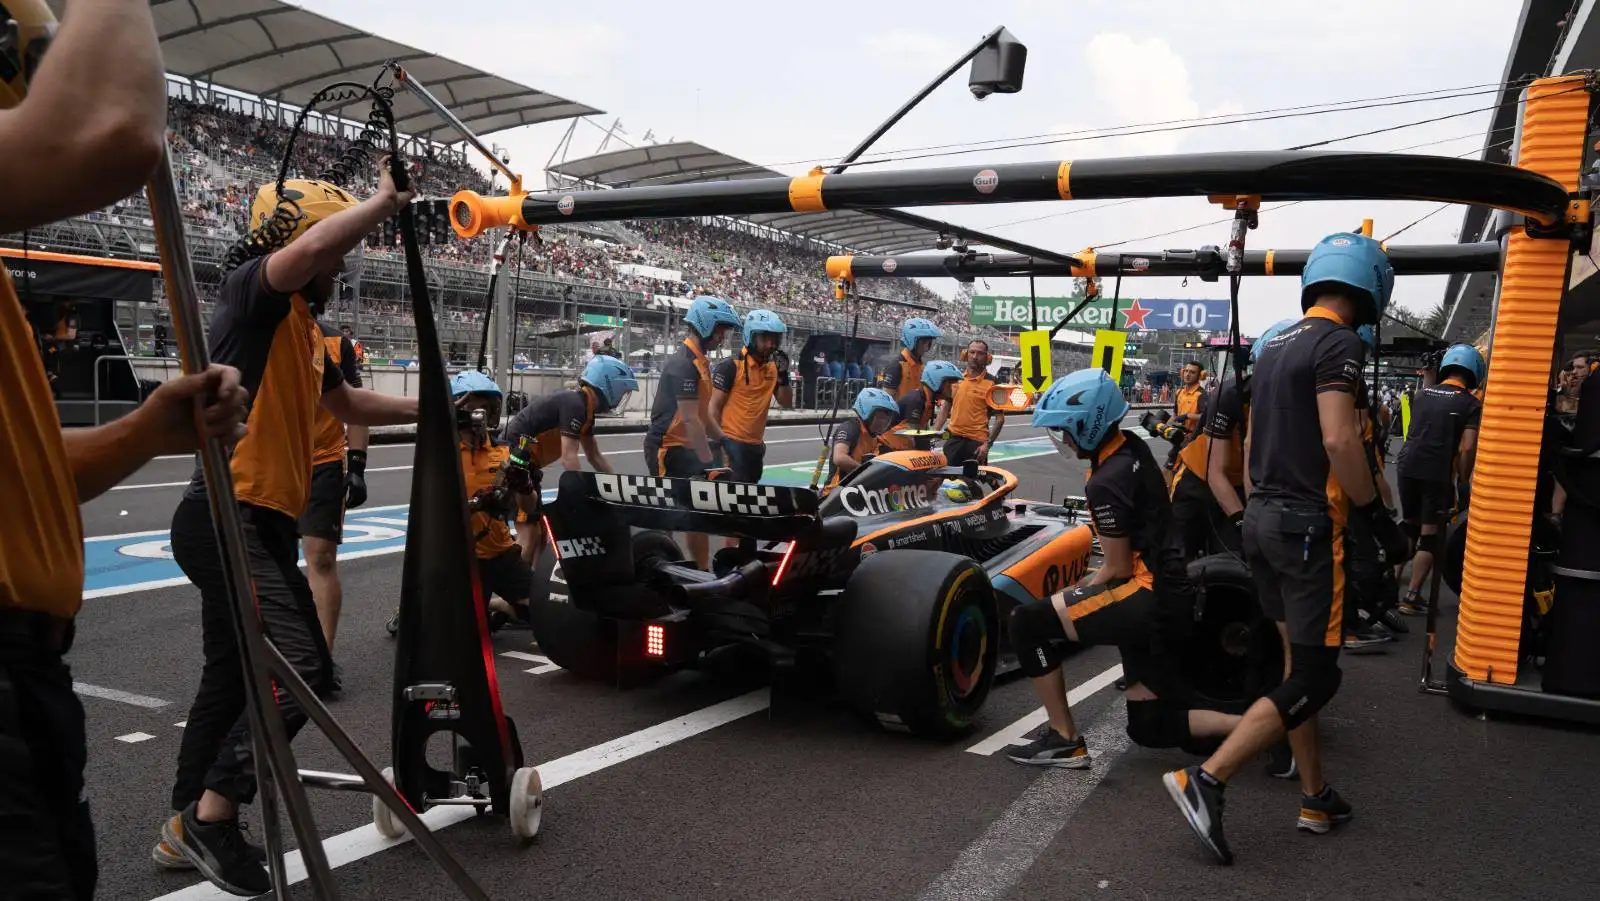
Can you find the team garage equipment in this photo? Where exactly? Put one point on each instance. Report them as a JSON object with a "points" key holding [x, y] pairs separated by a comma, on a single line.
{"points": [[897, 585], [1549, 207]]}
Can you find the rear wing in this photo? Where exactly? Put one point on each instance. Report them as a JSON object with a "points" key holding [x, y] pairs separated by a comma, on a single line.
{"points": [[762, 512]]}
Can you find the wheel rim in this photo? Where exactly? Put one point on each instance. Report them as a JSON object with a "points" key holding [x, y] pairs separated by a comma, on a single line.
{"points": [[969, 645]]}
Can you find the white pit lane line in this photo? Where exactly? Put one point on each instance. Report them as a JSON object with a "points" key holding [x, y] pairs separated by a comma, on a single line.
{"points": [[364, 841], [1013, 733]]}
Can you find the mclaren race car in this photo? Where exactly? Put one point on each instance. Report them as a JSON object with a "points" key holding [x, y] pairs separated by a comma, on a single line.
{"points": [[898, 582]]}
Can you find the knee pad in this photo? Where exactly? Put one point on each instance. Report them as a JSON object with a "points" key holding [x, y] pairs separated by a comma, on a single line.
{"points": [[1158, 724], [1038, 638], [1314, 677]]}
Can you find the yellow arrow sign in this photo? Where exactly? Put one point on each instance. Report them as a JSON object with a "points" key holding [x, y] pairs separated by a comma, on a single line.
{"points": [[1035, 359], [1108, 348]]}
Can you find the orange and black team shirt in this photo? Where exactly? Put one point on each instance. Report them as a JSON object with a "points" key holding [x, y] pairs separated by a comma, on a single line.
{"points": [[1187, 401], [859, 441], [480, 467], [750, 384], [545, 421], [278, 349], [686, 376], [1440, 415], [1222, 421], [916, 410], [41, 536], [969, 406], [330, 441], [904, 375], [1287, 461], [1127, 498]]}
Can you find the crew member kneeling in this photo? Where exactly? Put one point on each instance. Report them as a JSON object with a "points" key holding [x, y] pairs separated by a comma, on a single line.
{"points": [[1306, 473], [1140, 588]]}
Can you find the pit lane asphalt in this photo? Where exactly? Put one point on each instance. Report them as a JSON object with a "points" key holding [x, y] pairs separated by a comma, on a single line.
{"points": [[802, 800]]}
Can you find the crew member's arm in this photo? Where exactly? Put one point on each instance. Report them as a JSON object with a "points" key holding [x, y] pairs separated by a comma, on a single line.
{"points": [[943, 418], [323, 246], [93, 125], [784, 392], [845, 438], [1468, 453], [591, 449], [1337, 367], [1248, 488], [164, 424], [721, 389], [362, 406], [357, 437], [572, 411], [1219, 463]]}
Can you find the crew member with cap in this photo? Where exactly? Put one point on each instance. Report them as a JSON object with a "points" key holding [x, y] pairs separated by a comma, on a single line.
{"points": [[1438, 453], [684, 440], [554, 427], [974, 423], [1305, 475], [857, 437], [743, 388], [263, 325], [335, 486], [916, 407], [1138, 600], [78, 110], [917, 337]]}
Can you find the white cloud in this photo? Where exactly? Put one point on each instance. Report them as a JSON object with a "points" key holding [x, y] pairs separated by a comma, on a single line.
{"points": [[1141, 81], [918, 51]]}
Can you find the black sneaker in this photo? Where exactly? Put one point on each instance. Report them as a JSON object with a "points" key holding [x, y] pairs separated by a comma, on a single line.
{"points": [[170, 857], [1202, 808], [1280, 761], [1320, 813], [1394, 622], [1367, 637], [1049, 748], [1412, 605], [220, 852]]}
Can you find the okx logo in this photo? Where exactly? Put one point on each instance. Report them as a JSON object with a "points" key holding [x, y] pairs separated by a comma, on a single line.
{"points": [[580, 547]]}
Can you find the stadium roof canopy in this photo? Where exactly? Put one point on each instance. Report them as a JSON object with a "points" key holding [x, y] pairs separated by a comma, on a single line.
{"points": [[284, 53], [686, 161]]}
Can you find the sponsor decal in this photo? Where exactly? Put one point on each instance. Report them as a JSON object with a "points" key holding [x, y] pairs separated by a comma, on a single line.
{"points": [[868, 547], [986, 181], [890, 265], [565, 205], [917, 537], [923, 461], [859, 501]]}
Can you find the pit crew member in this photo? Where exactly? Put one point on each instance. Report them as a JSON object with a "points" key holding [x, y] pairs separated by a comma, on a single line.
{"points": [[974, 423], [743, 388], [857, 437], [916, 407], [496, 494], [917, 337]]}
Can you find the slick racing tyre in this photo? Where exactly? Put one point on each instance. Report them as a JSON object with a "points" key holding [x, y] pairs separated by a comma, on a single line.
{"points": [[917, 641], [1233, 654], [581, 641]]}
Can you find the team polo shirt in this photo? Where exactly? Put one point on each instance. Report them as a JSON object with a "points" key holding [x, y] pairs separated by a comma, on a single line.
{"points": [[480, 467], [916, 408], [685, 376], [276, 345], [329, 430], [1223, 421], [41, 535], [750, 385], [906, 374], [1287, 460], [1128, 499], [854, 435], [1187, 401], [565, 414], [969, 406], [1440, 415]]}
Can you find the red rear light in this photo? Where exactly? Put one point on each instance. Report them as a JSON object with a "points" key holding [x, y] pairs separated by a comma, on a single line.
{"points": [[783, 564], [655, 640], [550, 537]]}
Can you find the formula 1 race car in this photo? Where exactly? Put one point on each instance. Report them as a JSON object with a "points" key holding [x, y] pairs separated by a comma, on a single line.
{"points": [[898, 582]]}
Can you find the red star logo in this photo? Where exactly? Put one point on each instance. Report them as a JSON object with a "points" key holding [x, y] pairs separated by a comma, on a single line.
{"points": [[1133, 316]]}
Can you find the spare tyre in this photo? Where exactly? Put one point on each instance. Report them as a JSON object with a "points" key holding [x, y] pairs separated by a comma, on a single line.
{"points": [[1232, 654], [917, 641]]}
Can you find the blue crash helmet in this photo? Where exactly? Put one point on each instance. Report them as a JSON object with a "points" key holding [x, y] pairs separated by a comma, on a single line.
{"points": [[1086, 406], [1466, 358], [471, 381], [611, 378], [872, 400], [762, 321], [706, 313], [917, 329], [937, 372], [1261, 342], [1353, 261]]}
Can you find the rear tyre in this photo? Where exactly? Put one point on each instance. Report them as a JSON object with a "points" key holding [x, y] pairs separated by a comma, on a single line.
{"points": [[917, 641], [1233, 654], [581, 641]]}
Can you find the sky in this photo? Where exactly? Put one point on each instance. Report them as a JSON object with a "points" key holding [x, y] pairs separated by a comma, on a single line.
{"points": [[789, 86]]}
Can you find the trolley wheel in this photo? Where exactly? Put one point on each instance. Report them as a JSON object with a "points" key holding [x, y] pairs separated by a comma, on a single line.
{"points": [[527, 802], [382, 817]]}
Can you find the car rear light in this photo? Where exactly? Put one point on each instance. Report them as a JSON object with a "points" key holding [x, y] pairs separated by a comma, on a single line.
{"points": [[783, 564], [550, 537], [655, 640]]}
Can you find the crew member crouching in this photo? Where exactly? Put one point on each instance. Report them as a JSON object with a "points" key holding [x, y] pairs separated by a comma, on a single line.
{"points": [[857, 438], [495, 494]]}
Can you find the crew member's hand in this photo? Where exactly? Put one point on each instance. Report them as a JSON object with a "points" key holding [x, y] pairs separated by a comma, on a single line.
{"points": [[520, 479], [386, 187], [169, 411], [983, 454], [355, 479], [1387, 532], [781, 359]]}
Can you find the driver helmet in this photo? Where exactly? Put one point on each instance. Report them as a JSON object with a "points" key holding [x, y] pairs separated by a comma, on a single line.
{"points": [[1465, 359], [1260, 346], [1086, 406], [758, 321], [612, 380], [706, 313], [957, 491], [872, 401], [1352, 261], [915, 330], [469, 382], [937, 373]]}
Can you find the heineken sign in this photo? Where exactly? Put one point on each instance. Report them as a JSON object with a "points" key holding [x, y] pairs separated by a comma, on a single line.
{"points": [[1133, 314]]}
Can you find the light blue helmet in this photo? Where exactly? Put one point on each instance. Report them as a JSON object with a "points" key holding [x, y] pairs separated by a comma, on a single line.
{"points": [[611, 377], [1355, 261], [916, 329], [471, 381], [762, 321], [937, 372], [1087, 405], [707, 312], [1268, 335], [871, 400], [1368, 337], [1466, 358]]}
